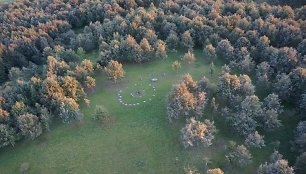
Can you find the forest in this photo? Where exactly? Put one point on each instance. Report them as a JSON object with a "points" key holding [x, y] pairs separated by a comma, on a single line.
{"points": [[165, 86]]}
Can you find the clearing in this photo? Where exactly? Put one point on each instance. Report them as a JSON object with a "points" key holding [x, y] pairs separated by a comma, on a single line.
{"points": [[141, 140]]}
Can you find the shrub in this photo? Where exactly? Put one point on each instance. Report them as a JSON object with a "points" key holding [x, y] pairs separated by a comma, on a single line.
{"points": [[101, 114]]}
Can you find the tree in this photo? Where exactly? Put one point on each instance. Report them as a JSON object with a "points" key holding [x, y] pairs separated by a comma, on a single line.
{"points": [[255, 140], [275, 156], [302, 105], [214, 105], [270, 120], [210, 52], [80, 52], [187, 40], [7, 135], [161, 50], [280, 167], [196, 133], [272, 101], [211, 68], [29, 125], [300, 137], [186, 99], [172, 40], [246, 65], [45, 116], [225, 50], [252, 106], [264, 74], [241, 122], [300, 164], [234, 89], [71, 87], [284, 59], [146, 48], [240, 156], [283, 86], [190, 170], [243, 118], [90, 82], [215, 171], [4, 115], [189, 57], [176, 65], [68, 113], [114, 70], [276, 165], [302, 47]]}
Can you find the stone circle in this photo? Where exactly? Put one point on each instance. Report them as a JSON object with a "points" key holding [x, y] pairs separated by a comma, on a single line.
{"points": [[143, 89]]}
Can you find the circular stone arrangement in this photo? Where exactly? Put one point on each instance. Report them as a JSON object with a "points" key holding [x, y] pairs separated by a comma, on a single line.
{"points": [[139, 93]]}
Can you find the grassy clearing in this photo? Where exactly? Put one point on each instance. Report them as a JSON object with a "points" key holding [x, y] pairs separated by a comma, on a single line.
{"points": [[141, 140]]}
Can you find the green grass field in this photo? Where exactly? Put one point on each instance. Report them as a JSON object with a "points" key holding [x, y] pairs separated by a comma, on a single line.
{"points": [[140, 141]]}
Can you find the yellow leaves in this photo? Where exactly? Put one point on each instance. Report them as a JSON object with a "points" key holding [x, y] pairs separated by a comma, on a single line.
{"points": [[3, 114], [35, 80], [87, 65], [59, 48], [235, 82], [187, 98], [2, 100], [55, 65], [215, 171], [145, 45], [114, 70], [1, 49], [210, 48], [18, 106], [70, 86], [90, 82], [176, 65], [52, 87], [71, 103], [20, 82], [189, 57], [161, 47], [87, 101], [130, 40]]}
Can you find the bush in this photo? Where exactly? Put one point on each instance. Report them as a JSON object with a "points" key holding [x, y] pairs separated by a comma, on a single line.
{"points": [[101, 114]]}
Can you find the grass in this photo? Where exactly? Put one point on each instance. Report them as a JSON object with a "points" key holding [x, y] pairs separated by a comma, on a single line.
{"points": [[141, 141], [6, 1]]}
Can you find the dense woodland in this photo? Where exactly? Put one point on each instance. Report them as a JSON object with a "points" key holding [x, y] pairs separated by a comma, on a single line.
{"points": [[43, 75]]}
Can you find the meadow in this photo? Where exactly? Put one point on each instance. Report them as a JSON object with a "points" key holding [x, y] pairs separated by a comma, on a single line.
{"points": [[141, 140]]}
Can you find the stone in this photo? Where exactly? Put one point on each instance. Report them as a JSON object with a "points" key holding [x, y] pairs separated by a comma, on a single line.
{"points": [[154, 80]]}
